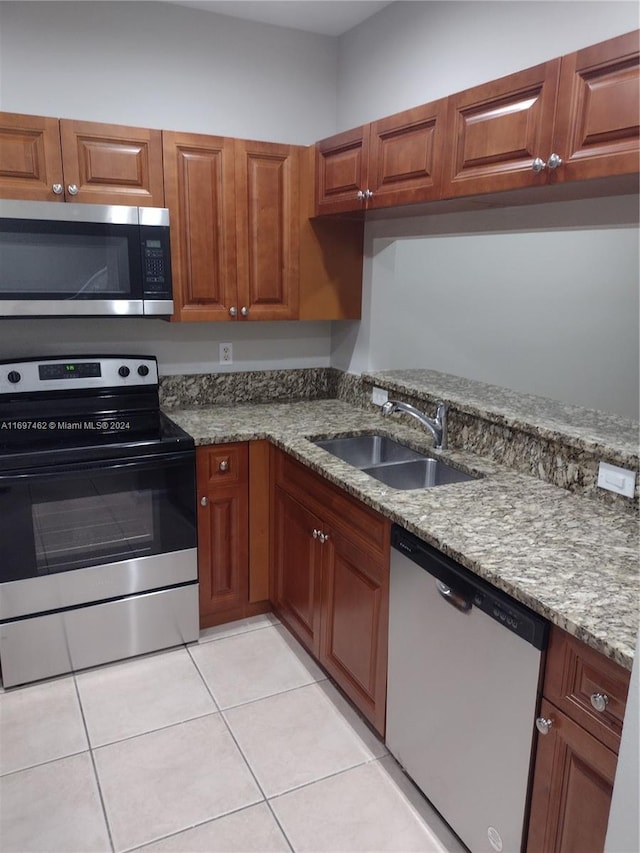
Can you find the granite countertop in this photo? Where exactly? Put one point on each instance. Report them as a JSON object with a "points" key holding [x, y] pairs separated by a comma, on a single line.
{"points": [[583, 429], [569, 558]]}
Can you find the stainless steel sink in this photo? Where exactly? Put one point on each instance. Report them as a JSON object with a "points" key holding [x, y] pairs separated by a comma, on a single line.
{"points": [[419, 474], [393, 463], [363, 451]]}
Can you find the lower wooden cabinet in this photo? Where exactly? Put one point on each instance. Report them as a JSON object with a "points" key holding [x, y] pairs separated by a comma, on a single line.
{"points": [[575, 761], [232, 486], [330, 581]]}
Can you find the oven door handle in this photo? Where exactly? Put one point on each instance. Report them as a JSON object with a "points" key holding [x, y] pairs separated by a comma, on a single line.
{"points": [[141, 463]]}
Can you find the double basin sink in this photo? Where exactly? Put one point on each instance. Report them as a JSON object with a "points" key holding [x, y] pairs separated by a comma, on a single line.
{"points": [[393, 463]]}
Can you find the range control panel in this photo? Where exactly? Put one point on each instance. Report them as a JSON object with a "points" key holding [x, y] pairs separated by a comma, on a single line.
{"points": [[90, 372]]}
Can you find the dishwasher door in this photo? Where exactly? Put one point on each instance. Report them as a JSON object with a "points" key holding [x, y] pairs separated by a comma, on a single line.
{"points": [[463, 690]]}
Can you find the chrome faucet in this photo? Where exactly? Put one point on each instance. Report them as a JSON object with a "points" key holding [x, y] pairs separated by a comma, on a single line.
{"points": [[437, 426]]}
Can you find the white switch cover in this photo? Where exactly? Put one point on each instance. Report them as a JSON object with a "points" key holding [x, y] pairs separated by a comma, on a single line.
{"points": [[379, 396], [618, 480]]}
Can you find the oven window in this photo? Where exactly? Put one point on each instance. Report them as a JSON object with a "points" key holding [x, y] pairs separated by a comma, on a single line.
{"points": [[104, 527], [75, 519]]}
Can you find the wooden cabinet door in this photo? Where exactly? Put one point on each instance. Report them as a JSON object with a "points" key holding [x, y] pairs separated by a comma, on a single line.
{"points": [[405, 157], [495, 131], [296, 569], [223, 528], [30, 158], [200, 195], [597, 129], [266, 177], [111, 164], [342, 171], [572, 785], [355, 602]]}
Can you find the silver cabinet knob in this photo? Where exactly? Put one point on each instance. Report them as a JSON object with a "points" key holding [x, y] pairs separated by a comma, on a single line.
{"points": [[538, 165], [599, 701], [72, 189], [554, 161], [360, 195], [244, 311], [315, 533], [204, 501], [543, 725], [324, 537], [57, 189], [233, 311], [223, 466], [368, 194]]}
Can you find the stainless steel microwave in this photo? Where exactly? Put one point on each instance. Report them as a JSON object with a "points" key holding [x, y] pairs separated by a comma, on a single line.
{"points": [[90, 260]]}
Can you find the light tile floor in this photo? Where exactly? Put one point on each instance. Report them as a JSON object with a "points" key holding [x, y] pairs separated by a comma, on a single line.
{"points": [[234, 744]]}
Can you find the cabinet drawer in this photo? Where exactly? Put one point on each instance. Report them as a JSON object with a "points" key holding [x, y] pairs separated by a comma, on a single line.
{"points": [[333, 505], [578, 680], [223, 465]]}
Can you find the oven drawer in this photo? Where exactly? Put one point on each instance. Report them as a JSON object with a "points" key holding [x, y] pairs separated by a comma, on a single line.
{"points": [[43, 646]]}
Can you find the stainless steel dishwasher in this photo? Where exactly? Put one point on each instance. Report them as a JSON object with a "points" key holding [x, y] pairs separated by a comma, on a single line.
{"points": [[463, 690]]}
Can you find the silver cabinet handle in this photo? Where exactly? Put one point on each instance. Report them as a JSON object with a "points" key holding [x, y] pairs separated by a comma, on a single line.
{"points": [[72, 189], [204, 501], [315, 533], [223, 466], [599, 701], [244, 311], [554, 161], [538, 165], [57, 189], [233, 311], [543, 725], [324, 537], [360, 195], [368, 194]]}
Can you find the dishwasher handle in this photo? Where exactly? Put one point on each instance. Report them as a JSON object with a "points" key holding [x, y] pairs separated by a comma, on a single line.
{"points": [[454, 598]]}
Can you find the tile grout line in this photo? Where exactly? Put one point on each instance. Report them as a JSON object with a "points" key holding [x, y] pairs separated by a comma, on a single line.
{"points": [[246, 761], [93, 764]]}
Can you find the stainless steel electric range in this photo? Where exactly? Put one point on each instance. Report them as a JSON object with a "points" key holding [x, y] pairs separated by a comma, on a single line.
{"points": [[97, 516]]}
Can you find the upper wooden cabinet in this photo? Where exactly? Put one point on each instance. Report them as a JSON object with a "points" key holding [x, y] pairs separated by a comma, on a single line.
{"points": [[47, 159], [267, 177], [574, 118], [397, 160], [496, 131], [243, 245], [233, 208], [598, 114]]}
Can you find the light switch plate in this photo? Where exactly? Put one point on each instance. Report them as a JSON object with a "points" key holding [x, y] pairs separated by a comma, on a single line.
{"points": [[379, 396], [618, 480]]}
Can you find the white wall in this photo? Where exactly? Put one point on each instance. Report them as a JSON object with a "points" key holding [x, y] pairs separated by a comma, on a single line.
{"points": [[504, 299], [411, 52], [157, 65]]}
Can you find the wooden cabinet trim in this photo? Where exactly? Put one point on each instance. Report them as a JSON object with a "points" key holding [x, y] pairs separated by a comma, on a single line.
{"points": [[259, 520]]}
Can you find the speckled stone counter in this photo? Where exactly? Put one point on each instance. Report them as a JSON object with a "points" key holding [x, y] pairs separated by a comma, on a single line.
{"points": [[574, 561], [556, 442]]}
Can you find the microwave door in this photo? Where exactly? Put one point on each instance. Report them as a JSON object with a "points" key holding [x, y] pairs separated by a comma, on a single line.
{"points": [[69, 268]]}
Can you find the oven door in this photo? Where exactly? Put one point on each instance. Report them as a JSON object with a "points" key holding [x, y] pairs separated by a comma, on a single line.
{"points": [[87, 532]]}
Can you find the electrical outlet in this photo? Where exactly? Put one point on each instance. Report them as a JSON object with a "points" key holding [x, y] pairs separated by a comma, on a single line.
{"points": [[379, 396], [226, 353], [618, 480]]}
